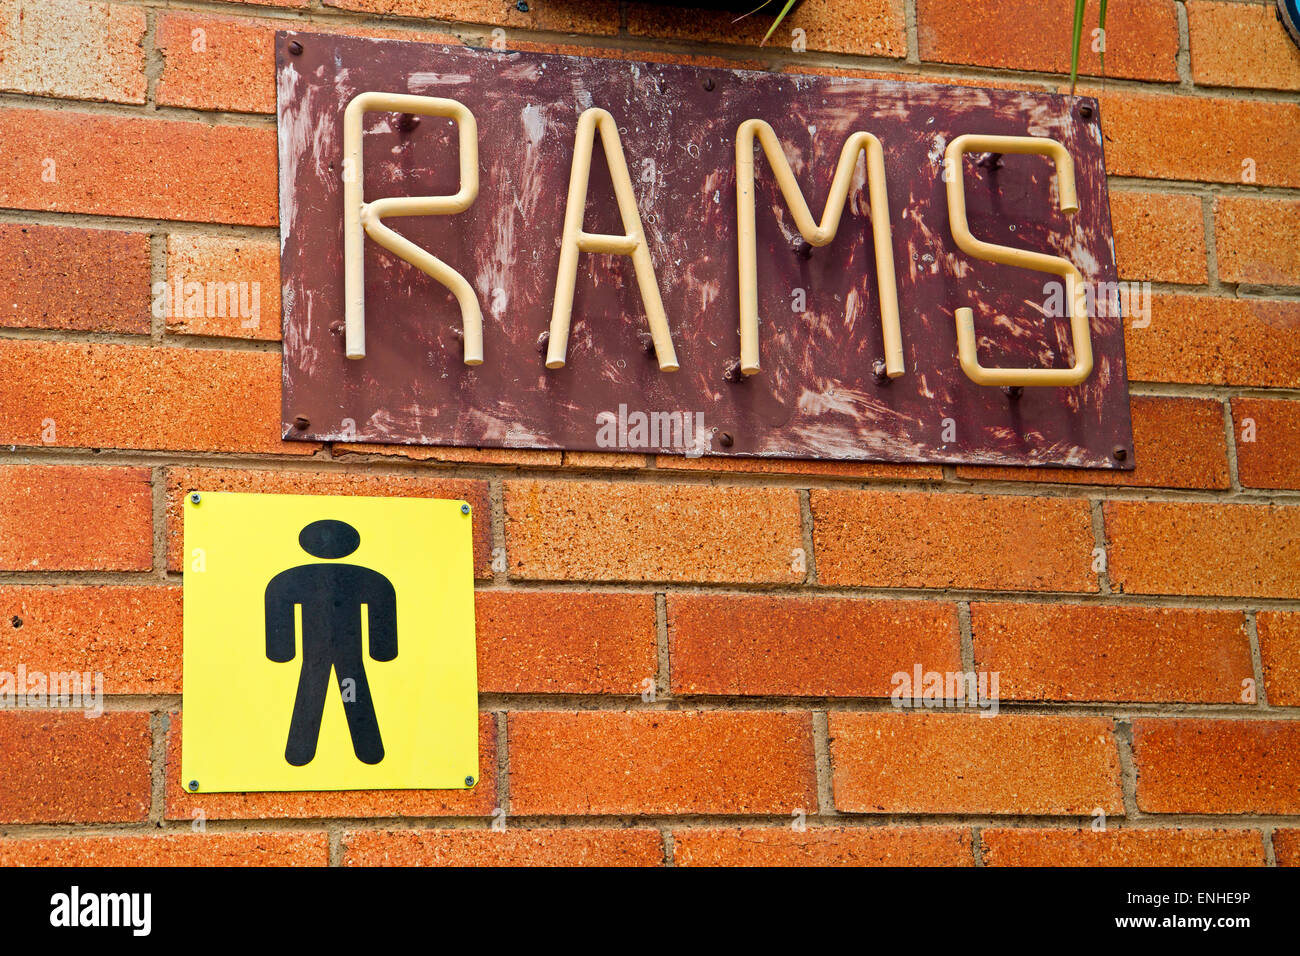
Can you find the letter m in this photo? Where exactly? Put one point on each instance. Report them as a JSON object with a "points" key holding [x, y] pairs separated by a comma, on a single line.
{"points": [[816, 234]]}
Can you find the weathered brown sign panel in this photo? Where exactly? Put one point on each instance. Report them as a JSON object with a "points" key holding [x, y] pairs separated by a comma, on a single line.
{"points": [[817, 395]]}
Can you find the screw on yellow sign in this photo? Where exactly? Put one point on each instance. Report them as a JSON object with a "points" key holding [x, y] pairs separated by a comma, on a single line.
{"points": [[329, 644]]}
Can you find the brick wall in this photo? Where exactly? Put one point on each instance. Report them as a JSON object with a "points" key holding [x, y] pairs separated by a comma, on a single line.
{"points": [[1129, 615]]}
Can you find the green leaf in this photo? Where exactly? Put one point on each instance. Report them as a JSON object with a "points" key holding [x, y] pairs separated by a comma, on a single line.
{"points": [[1078, 38], [1101, 24], [777, 22]]}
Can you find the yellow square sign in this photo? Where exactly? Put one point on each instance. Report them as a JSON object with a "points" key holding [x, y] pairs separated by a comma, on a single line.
{"points": [[329, 644]]}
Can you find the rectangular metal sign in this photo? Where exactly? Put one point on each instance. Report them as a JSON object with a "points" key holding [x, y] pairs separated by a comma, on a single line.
{"points": [[329, 644], [506, 249]]}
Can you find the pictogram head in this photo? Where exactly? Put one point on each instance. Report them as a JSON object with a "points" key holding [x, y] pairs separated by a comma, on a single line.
{"points": [[329, 539]]}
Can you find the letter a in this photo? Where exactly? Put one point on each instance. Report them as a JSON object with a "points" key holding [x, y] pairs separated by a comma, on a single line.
{"points": [[575, 240]]}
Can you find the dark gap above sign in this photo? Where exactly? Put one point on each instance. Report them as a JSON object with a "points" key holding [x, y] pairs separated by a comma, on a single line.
{"points": [[674, 316]]}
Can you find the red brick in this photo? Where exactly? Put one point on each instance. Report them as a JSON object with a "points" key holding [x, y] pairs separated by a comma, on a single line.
{"points": [[1257, 241], [1279, 647], [805, 647], [234, 69], [1133, 653], [1212, 340], [73, 49], [651, 762], [130, 635], [1159, 237], [181, 480], [786, 466], [959, 763], [70, 278], [919, 540], [1270, 460], [1199, 138], [1160, 547], [250, 312], [1141, 36], [1236, 44], [129, 396], [273, 848], [822, 846], [559, 16], [1190, 765], [128, 166], [65, 518], [602, 531], [1122, 847], [70, 768], [1286, 847], [606, 460], [866, 27], [558, 642], [1178, 443], [511, 847], [477, 801]]}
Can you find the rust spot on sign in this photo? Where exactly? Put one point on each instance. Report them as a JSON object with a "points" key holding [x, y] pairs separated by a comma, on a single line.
{"points": [[818, 395]]}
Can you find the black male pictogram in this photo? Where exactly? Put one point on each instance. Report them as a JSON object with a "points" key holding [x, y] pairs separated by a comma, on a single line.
{"points": [[332, 595]]}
